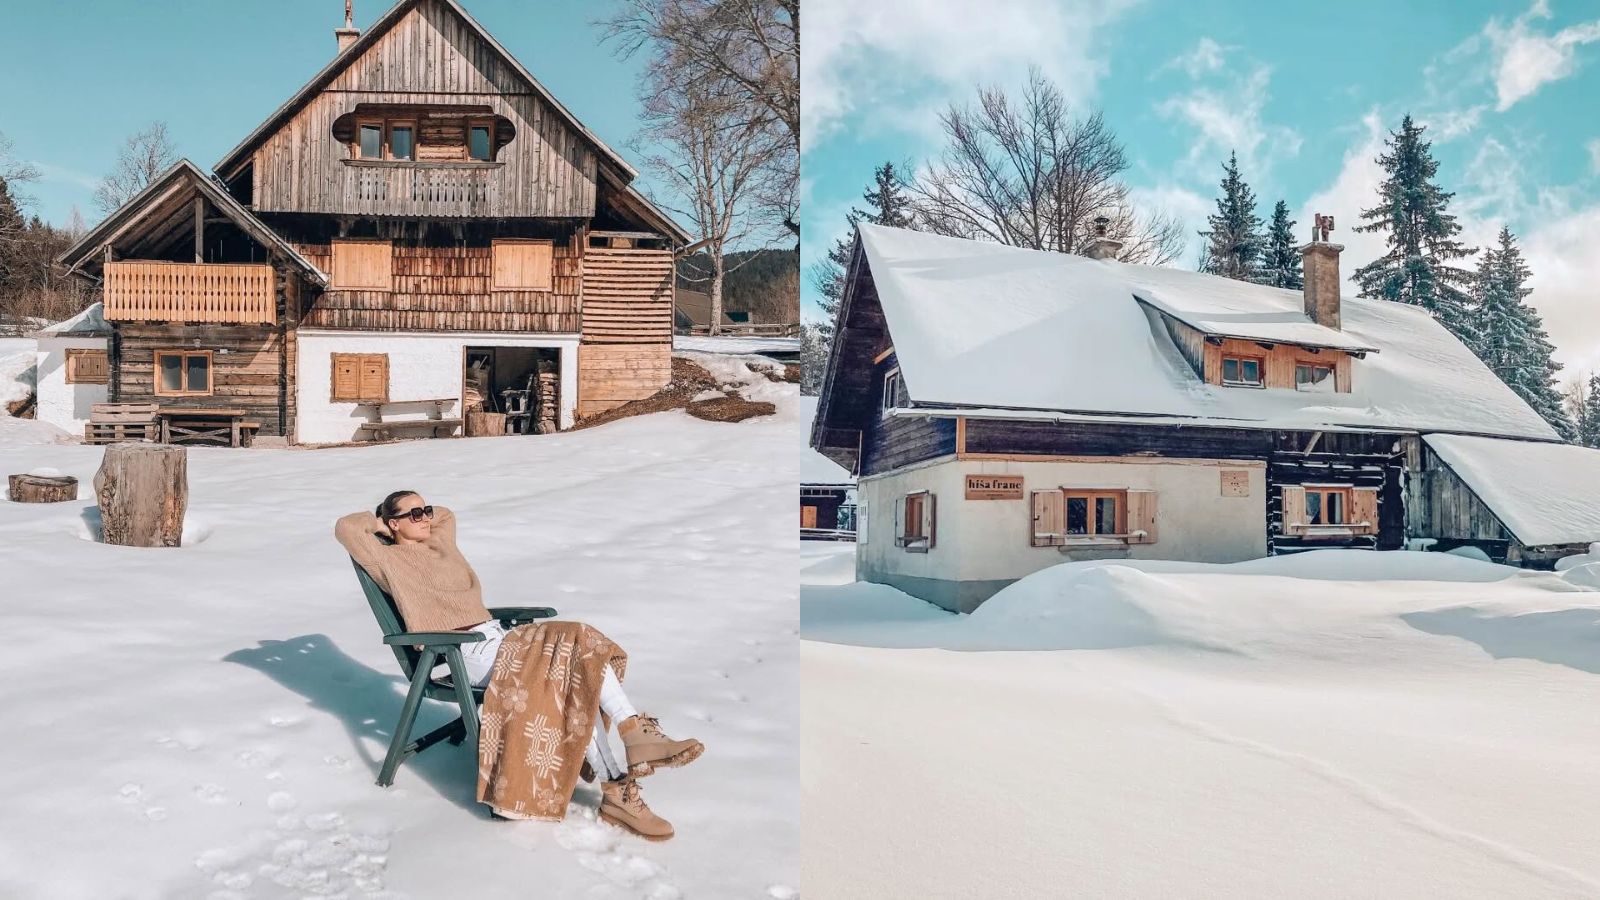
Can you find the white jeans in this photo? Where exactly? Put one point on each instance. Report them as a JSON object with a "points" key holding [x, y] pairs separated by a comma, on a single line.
{"points": [[479, 659]]}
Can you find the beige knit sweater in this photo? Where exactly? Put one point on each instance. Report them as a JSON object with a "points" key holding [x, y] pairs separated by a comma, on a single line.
{"points": [[431, 582]]}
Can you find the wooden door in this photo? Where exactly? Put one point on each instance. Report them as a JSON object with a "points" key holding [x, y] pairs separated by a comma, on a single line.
{"points": [[808, 517]]}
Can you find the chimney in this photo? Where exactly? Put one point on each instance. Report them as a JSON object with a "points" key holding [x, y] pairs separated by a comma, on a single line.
{"points": [[348, 34], [1320, 265], [1102, 246]]}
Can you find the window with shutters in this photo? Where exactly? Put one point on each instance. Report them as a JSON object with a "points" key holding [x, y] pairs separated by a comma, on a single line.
{"points": [[360, 377], [1064, 516], [1329, 510], [916, 514], [363, 265], [88, 367], [523, 265], [183, 373]]}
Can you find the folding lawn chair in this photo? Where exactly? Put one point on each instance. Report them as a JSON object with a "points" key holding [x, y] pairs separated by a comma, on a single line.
{"points": [[417, 666]]}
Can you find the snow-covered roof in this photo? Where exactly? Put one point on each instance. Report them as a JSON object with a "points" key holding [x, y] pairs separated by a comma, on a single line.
{"points": [[1228, 308], [89, 323], [1544, 493], [985, 325], [814, 467]]}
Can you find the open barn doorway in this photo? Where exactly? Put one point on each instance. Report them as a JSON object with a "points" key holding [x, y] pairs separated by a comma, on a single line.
{"points": [[520, 384]]}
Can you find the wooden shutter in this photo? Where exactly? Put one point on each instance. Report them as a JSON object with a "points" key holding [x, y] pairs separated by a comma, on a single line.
{"points": [[1049, 519], [930, 520], [375, 376], [88, 367], [808, 517], [363, 265], [346, 377], [899, 521], [1141, 517], [1364, 508], [523, 265], [1294, 509]]}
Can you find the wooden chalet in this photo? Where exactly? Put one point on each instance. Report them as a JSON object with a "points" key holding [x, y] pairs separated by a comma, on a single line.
{"points": [[1007, 409], [420, 232]]}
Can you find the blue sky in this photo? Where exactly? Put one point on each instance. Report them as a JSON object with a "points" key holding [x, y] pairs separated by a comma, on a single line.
{"points": [[1305, 93], [95, 71]]}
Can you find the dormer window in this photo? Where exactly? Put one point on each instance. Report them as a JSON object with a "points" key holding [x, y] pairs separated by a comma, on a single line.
{"points": [[1313, 377], [1242, 371], [892, 388]]}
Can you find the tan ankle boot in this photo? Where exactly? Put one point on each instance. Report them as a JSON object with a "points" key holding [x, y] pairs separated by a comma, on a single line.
{"points": [[622, 805], [650, 749]]}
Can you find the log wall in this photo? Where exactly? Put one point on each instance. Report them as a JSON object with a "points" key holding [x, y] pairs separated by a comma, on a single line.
{"points": [[429, 58], [248, 363]]}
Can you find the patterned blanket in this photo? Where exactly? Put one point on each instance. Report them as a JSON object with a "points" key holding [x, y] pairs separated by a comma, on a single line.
{"points": [[538, 715]]}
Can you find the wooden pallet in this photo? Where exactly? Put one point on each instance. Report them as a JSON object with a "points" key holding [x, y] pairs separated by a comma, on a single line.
{"points": [[111, 423]]}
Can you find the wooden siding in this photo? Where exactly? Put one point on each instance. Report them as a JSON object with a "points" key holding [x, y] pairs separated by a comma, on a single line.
{"points": [[1344, 458], [138, 291], [1114, 439], [429, 58], [900, 441], [1441, 506], [1279, 362], [248, 366], [610, 375], [450, 289]]}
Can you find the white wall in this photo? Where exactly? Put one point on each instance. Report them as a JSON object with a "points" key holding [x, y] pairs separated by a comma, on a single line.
{"points": [[63, 405], [422, 366], [980, 542]]}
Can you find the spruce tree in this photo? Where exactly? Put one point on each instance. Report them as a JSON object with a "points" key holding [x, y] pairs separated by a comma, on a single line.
{"points": [[1235, 244], [1588, 417], [12, 226], [1280, 264], [887, 204], [1421, 236], [1510, 335]]}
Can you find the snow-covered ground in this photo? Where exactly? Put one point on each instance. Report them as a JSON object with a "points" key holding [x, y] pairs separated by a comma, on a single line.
{"points": [[208, 721], [1335, 724], [17, 358], [735, 344]]}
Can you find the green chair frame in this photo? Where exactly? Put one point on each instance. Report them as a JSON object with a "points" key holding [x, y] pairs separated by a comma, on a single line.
{"points": [[418, 652]]}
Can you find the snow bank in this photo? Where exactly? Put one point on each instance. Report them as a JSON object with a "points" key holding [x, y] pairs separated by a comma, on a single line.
{"points": [[752, 377], [208, 721], [736, 344], [17, 360]]}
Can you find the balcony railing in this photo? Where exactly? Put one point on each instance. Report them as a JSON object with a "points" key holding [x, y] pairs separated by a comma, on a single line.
{"points": [[233, 293]]}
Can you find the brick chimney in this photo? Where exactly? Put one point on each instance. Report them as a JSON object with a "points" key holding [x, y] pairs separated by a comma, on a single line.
{"points": [[348, 34], [1320, 265], [1102, 246]]}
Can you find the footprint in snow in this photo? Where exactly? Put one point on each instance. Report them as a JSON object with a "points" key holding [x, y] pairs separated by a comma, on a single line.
{"points": [[155, 813], [210, 793], [130, 792], [600, 848]]}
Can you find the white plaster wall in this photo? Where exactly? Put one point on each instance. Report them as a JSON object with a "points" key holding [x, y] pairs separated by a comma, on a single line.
{"points": [[1194, 522], [986, 540], [422, 366], [63, 405]]}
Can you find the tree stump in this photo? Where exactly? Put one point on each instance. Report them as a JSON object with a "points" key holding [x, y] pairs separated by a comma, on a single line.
{"points": [[143, 490], [42, 488], [482, 424]]}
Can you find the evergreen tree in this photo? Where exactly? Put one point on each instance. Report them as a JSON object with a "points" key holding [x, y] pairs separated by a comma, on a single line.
{"points": [[12, 228], [1510, 336], [1421, 236], [887, 204], [1235, 244], [1588, 417], [1280, 264]]}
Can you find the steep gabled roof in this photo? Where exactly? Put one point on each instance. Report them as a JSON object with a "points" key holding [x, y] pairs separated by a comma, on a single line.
{"points": [[179, 177], [977, 325], [237, 156]]}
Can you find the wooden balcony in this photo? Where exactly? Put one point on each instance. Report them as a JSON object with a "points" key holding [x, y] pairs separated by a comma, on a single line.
{"points": [[230, 293]]}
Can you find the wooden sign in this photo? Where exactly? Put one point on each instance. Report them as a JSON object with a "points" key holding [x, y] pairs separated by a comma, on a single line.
{"points": [[994, 487], [1235, 482]]}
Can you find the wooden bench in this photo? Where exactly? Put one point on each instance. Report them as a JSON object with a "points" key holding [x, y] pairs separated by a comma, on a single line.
{"points": [[111, 423], [380, 430], [206, 424]]}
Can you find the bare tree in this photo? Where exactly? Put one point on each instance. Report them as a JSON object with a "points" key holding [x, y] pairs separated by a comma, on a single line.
{"points": [[1031, 174], [746, 52], [144, 156], [713, 160]]}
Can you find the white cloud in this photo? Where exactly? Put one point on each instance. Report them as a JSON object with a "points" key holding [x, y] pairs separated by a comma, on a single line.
{"points": [[896, 63], [1205, 57], [1187, 206], [1594, 155], [1526, 59], [1564, 254], [1227, 114], [1354, 187]]}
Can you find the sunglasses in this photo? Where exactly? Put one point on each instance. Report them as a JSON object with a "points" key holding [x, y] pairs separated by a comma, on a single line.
{"points": [[416, 515]]}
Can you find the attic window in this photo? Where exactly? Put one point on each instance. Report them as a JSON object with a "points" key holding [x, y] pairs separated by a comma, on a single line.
{"points": [[480, 141], [1312, 377], [1241, 371], [423, 134], [893, 386]]}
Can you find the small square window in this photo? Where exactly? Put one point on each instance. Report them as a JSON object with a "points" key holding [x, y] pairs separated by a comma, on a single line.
{"points": [[183, 372], [1241, 370], [402, 142], [371, 141]]}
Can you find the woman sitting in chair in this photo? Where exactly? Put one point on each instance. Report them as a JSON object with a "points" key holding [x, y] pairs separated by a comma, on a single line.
{"points": [[545, 681]]}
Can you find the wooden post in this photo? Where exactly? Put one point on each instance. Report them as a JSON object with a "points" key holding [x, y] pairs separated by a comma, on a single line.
{"points": [[143, 491], [42, 488], [199, 229]]}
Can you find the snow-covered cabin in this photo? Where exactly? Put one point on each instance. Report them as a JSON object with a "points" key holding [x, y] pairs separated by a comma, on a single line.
{"points": [[72, 370], [1008, 409], [421, 231], [827, 491]]}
